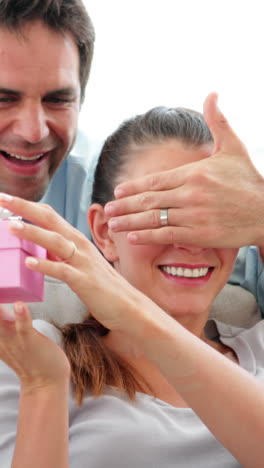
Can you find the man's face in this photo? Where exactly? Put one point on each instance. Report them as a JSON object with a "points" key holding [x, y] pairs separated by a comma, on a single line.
{"points": [[39, 107]]}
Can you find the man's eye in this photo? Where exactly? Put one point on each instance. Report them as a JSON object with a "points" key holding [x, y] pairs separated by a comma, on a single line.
{"points": [[5, 99], [57, 100]]}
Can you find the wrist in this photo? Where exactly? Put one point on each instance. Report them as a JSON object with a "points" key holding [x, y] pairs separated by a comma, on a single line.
{"points": [[150, 323], [38, 387]]}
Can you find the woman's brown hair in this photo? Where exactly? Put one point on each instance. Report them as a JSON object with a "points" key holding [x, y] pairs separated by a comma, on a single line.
{"points": [[93, 365]]}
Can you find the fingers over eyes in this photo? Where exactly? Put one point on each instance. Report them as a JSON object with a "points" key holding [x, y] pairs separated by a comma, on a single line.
{"points": [[165, 235], [159, 181], [144, 202], [151, 220]]}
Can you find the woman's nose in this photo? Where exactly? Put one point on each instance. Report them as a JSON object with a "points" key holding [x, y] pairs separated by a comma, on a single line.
{"points": [[192, 249]]}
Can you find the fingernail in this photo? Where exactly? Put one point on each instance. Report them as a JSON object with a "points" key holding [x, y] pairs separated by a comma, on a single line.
{"points": [[5, 197], [31, 261], [132, 237], [7, 315], [19, 308], [16, 225], [119, 193], [112, 223], [109, 209]]}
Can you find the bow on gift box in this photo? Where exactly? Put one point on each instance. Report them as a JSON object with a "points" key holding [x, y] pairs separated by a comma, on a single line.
{"points": [[6, 214]]}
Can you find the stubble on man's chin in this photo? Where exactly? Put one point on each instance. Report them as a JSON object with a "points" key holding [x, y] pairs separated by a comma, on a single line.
{"points": [[29, 193]]}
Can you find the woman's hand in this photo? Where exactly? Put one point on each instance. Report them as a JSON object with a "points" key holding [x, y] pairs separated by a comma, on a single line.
{"points": [[38, 361], [72, 258]]}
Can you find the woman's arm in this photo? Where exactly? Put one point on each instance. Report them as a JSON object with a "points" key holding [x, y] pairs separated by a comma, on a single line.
{"points": [[42, 432], [226, 398], [43, 371]]}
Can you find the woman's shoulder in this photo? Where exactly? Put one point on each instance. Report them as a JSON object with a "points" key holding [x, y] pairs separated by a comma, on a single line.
{"points": [[254, 337], [255, 332], [247, 343]]}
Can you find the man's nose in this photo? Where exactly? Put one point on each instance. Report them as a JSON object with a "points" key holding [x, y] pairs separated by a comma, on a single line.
{"points": [[31, 123]]}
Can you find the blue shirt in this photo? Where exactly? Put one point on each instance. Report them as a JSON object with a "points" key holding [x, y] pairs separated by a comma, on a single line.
{"points": [[69, 191]]}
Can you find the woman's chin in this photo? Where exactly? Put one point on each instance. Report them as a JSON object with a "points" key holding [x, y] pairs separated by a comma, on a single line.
{"points": [[197, 310]]}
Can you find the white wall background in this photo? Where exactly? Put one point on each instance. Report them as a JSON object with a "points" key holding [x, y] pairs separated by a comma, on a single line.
{"points": [[174, 52]]}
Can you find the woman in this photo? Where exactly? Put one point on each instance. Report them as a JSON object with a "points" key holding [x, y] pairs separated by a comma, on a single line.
{"points": [[172, 389]]}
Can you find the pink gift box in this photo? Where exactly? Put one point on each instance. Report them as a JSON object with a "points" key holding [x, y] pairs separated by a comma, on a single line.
{"points": [[17, 282]]}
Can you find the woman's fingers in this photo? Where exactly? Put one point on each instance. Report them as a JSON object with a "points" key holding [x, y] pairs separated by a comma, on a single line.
{"points": [[66, 246], [20, 317], [58, 247], [13, 324], [37, 360], [7, 315], [23, 318], [56, 269], [37, 213], [49, 229]]}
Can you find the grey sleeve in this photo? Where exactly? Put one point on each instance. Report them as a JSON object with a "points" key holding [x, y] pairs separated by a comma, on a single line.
{"points": [[249, 273], [9, 400]]}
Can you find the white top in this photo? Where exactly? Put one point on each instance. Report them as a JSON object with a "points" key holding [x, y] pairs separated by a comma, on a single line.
{"points": [[111, 431]]}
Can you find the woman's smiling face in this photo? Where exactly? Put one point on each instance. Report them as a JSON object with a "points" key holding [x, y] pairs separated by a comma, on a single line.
{"points": [[182, 279]]}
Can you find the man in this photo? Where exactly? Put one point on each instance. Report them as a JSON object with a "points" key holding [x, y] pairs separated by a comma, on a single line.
{"points": [[46, 49]]}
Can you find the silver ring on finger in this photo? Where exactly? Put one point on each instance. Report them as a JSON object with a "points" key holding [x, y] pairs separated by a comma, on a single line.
{"points": [[164, 220]]}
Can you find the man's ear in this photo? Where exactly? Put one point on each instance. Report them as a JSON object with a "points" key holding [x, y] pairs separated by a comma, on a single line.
{"points": [[98, 223]]}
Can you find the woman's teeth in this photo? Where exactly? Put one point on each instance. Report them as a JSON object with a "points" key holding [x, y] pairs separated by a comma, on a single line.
{"points": [[185, 272]]}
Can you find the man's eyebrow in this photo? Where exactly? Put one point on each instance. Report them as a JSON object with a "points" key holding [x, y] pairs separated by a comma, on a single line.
{"points": [[69, 91], [10, 91]]}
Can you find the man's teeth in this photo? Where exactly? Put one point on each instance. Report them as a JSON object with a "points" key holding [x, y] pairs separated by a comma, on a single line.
{"points": [[26, 158], [185, 272]]}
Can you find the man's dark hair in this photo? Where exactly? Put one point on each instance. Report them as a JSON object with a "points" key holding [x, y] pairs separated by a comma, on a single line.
{"points": [[62, 16]]}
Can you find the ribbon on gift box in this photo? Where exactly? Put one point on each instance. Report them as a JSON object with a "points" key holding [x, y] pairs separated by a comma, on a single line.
{"points": [[7, 214]]}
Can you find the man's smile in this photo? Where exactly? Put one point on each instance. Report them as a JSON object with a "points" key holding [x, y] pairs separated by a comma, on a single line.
{"points": [[22, 158], [27, 165]]}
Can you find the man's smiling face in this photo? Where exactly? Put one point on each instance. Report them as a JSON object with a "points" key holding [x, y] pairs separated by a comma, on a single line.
{"points": [[39, 107]]}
